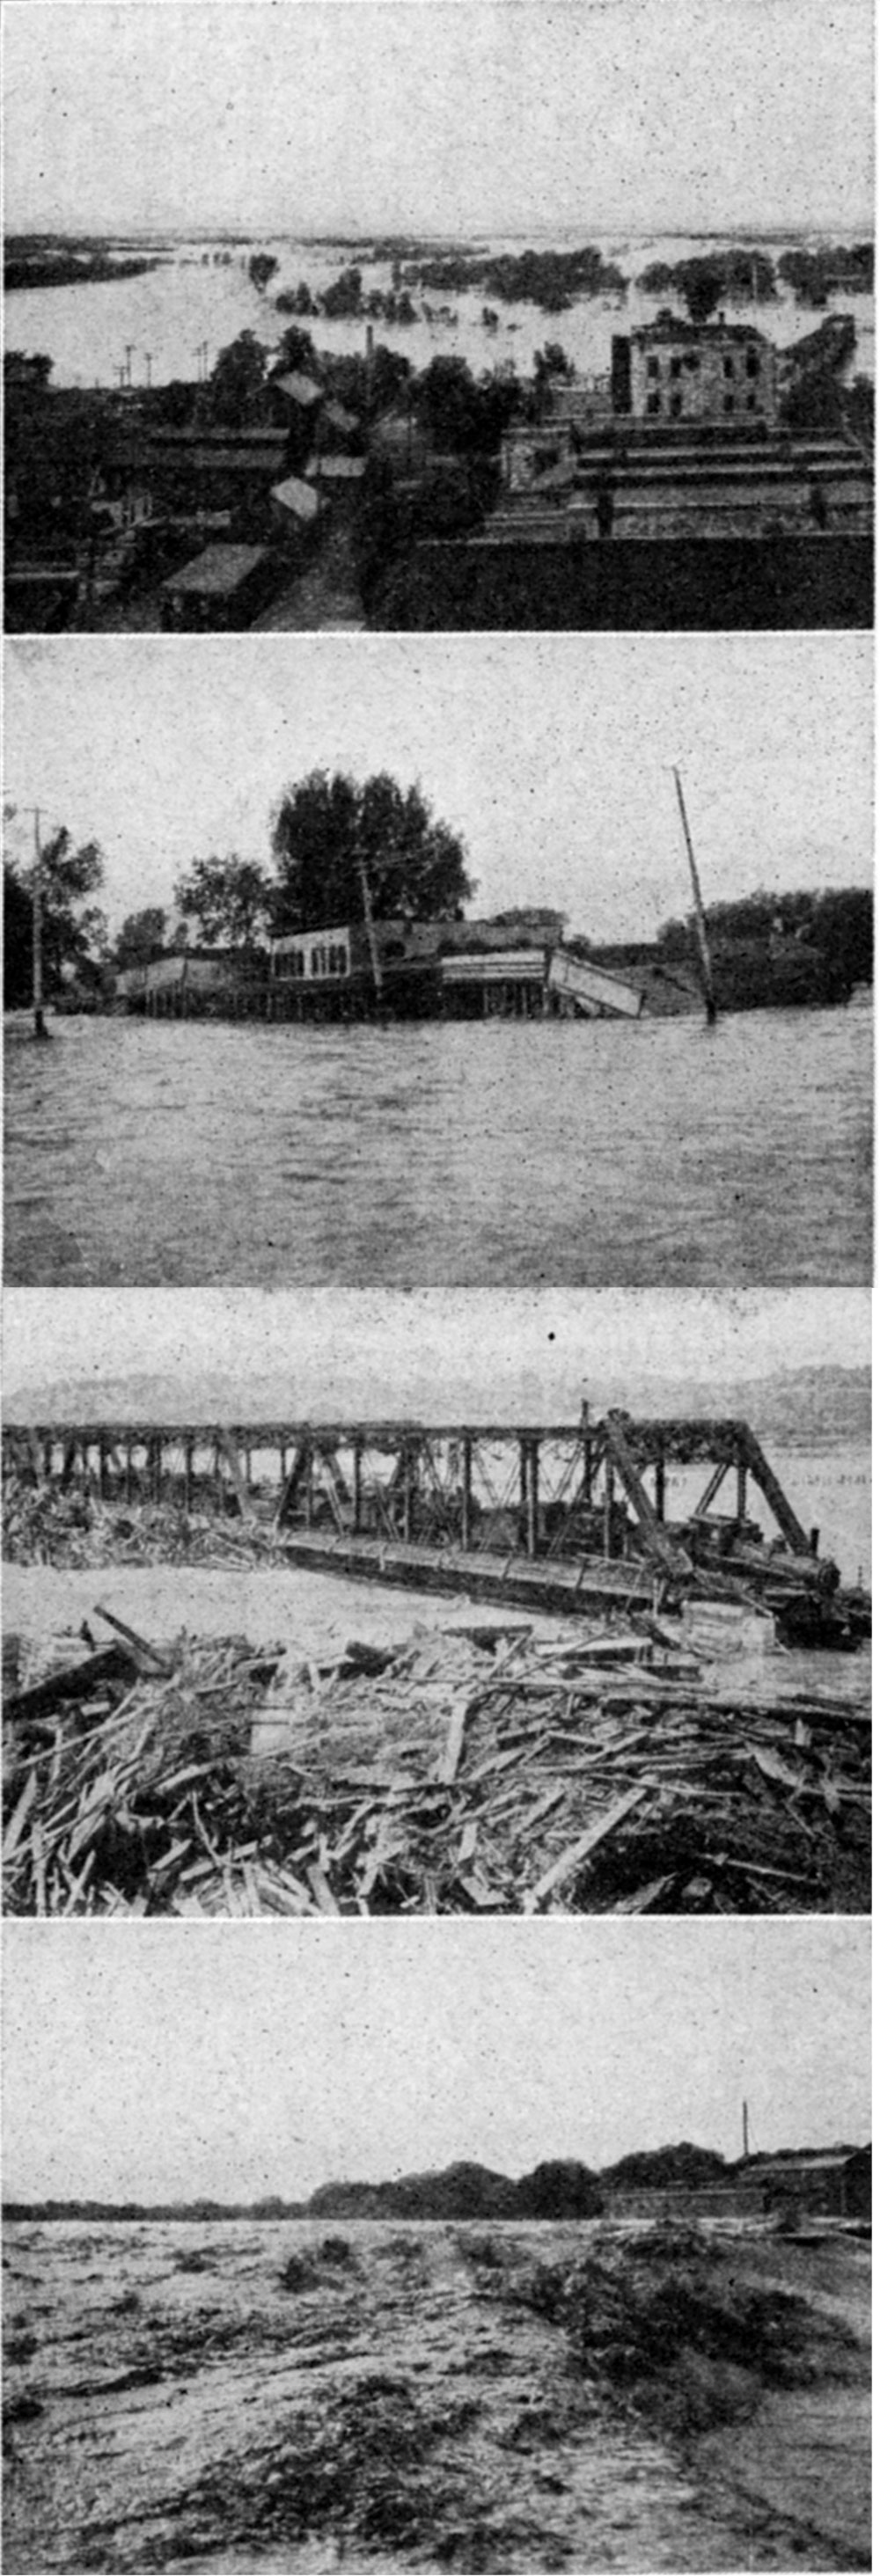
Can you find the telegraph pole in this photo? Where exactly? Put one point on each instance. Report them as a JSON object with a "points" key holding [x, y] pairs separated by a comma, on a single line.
{"points": [[702, 932], [40, 1030]]}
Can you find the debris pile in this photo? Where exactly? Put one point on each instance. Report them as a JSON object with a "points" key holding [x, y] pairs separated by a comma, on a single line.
{"points": [[463, 1770], [47, 1524]]}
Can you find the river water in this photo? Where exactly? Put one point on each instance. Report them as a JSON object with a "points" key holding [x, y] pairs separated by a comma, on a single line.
{"points": [[481, 1155], [191, 299]]}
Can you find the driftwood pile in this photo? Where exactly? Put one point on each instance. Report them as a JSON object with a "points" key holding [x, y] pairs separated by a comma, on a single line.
{"points": [[464, 1770], [48, 1525]]}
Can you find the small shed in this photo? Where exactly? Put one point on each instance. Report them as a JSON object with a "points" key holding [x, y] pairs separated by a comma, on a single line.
{"points": [[294, 503], [223, 586]]}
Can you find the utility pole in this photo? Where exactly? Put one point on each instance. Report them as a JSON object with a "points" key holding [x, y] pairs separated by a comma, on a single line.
{"points": [[129, 353], [372, 942], [41, 1032], [148, 354], [702, 933], [745, 2129]]}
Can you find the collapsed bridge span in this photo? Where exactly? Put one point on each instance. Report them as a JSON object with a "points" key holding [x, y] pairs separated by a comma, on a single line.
{"points": [[597, 1514]]}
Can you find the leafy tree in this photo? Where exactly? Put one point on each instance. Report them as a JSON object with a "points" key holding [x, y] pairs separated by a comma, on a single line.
{"points": [[296, 299], [326, 830], [260, 268], [228, 899], [297, 350], [237, 381], [74, 929], [17, 940], [142, 938], [175, 402], [464, 416], [342, 300]]}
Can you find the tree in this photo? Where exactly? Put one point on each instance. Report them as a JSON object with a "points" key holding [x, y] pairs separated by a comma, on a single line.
{"points": [[237, 381], [260, 268], [327, 830], [142, 938], [464, 416], [74, 941], [17, 941], [229, 899], [297, 350]]}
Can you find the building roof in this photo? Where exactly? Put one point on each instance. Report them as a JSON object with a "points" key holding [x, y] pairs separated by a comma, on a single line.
{"points": [[218, 571], [337, 469], [300, 499], [339, 418], [301, 389], [262, 435], [666, 327], [813, 2160]]}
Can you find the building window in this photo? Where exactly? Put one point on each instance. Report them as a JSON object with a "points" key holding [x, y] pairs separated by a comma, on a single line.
{"points": [[653, 367], [751, 402], [753, 363], [675, 366], [675, 406], [692, 362], [653, 404], [730, 402], [728, 366]]}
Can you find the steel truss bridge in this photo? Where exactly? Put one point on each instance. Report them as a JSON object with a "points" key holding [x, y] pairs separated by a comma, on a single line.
{"points": [[567, 1514]]}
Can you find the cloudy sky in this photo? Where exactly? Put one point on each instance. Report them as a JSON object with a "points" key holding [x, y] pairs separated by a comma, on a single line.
{"points": [[549, 754], [277, 2057], [506, 1356], [454, 118]]}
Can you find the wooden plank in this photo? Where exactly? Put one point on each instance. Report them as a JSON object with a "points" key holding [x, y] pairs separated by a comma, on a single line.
{"points": [[569, 1860]]}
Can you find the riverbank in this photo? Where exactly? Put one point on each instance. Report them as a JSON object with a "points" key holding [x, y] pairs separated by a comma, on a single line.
{"points": [[528, 2398]]}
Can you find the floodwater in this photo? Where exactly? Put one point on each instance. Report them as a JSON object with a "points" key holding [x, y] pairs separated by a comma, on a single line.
{"points": [[475, 1154], [396, 2408], [191, 298]]}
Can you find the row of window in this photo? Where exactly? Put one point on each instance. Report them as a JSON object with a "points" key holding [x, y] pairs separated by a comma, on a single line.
{"points": [[322, 961], [690, 361], [654, 404]]}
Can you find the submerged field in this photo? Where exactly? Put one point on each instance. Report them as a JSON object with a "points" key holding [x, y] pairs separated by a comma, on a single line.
{"points": [[522, 2398]]}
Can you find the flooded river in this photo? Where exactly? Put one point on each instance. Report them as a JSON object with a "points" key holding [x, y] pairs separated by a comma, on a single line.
{"points": [[201, 292], [511, 1153], [384, 2398]]}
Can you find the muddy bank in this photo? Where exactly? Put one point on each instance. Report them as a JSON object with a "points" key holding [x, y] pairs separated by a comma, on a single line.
{"points": [[512, 2398]]}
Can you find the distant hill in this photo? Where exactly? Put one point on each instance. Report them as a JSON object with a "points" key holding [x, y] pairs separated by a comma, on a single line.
{"points": [[811, 1409], [807, 1409]]}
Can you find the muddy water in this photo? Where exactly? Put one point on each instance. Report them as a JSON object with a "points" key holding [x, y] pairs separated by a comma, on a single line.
{"points": [[166, 2396], [192, 297], [590, 1156]]}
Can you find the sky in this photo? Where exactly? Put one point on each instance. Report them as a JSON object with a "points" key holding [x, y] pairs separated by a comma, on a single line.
{"points": [[550, 755], [464, 117], [508, 1356], [272, 2058]]}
